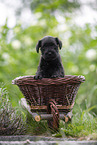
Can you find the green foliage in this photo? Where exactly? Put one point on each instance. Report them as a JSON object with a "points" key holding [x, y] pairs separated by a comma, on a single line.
{"points": [[79, 56], [51, 6]]}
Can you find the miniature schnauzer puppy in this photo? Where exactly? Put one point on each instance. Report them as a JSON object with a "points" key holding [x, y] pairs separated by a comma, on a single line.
{"points": [[50, 65]]}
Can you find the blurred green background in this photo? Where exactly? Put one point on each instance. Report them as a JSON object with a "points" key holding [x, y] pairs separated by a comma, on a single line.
{"points": [[34, 19]]}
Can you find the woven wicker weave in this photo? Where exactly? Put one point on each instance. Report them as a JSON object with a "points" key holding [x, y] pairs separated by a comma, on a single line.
{"points": [[39, 92]]}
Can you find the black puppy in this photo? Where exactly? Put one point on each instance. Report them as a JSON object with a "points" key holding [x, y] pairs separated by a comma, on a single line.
{"points": [[50, 65]]}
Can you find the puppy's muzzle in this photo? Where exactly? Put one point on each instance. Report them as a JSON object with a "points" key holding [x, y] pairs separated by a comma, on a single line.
{"points": [[50, 55]]}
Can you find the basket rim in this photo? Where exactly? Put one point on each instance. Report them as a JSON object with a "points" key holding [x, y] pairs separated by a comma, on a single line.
{"points": [[22, 80]]}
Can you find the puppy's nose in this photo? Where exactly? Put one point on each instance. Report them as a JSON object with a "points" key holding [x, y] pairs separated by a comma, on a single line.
{"points": [[49, 53]]}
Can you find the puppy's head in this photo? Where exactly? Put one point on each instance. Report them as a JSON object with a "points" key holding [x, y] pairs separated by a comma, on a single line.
{"points": [[49, 47]]}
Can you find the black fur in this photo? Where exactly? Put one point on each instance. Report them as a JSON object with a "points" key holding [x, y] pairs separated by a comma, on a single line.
{"points": [[50, 65]]}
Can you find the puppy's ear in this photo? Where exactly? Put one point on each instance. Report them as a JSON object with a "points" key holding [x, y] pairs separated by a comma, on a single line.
{"points": [[59, 42], [38, 46]]}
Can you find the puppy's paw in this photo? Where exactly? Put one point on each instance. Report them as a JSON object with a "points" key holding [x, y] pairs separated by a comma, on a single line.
{"points": [[54, 76], [37, 77]]}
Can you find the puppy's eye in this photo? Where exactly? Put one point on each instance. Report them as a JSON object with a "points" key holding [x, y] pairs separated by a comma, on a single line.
{"points": [[42, 48], [55, 48]]}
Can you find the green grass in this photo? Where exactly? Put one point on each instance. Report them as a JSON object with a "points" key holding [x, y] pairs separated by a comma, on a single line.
{"points": [[84, 124], [36, 128]]}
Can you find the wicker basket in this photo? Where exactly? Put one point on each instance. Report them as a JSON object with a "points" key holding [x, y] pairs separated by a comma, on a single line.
{"points": [[39, 92]]}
